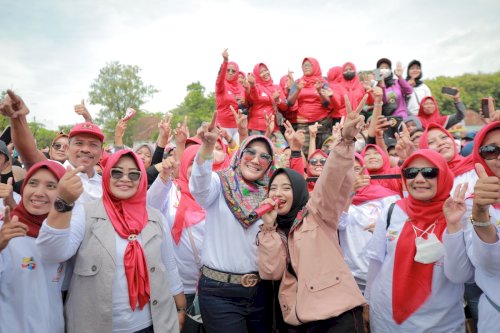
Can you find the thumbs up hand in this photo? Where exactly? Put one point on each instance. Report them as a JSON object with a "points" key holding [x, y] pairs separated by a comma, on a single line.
{"points": [[11, 228], [487, 189], [81, 109]]}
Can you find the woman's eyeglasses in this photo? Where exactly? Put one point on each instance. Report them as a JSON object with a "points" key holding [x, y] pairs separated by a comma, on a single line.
{"points": [[317, 161], [427, 173], [231, 71], [59, 146], [250, 153], [132, 175], [489, 152]]}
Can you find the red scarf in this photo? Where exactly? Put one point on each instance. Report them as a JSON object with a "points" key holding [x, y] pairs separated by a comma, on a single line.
{"points": [[258, 79], [435, 117], [392, 184], [189, 212], [129, 217], [334, 75], [412, 281], [310, 80], [227, 159], [370, 192], [459, 164], [233, 85], [34, 222]]}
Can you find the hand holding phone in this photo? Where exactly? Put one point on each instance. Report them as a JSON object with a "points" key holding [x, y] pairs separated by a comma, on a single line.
{"points": [[485, 106], [449, 91], [129, 114]]}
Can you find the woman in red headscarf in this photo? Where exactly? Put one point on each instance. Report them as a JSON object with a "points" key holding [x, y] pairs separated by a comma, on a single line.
{"points": [[407, 286], [377, 163], [228, 92], [359, 218], [125, 272], [30, 288], [350, 85], [429, 112], [266, 99]]}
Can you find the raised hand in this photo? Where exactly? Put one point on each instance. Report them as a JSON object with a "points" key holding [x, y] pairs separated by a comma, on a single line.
{"points": [[404, 146], [6, 189], [399, 69], [313, 129], [168, 165], [300, 85], [454, 208], [225, 55], [240, 118], [295, 139], [13, 106], [361, 180], [276, 96], [251, 79], [456, 97], [70, 186], [487, 189], [326, 92], [81, 109], [353, 121], [164, 126], [269, 218], [318, 85], [208, 133], [378, 94], [181, 132], [120, 128], [11, 228], [270, 124]]}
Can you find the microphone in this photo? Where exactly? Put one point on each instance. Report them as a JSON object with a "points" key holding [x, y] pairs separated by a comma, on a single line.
{"points": [[261, 210]]}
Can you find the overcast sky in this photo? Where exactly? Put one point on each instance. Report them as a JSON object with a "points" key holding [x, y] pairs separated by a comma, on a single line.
{"points": [[51, 51]]}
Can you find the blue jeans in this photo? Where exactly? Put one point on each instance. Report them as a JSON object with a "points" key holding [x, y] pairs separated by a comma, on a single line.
{"points": [[227, 307]]}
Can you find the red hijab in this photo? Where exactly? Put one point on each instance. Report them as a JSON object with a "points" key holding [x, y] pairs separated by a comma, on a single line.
{"points": [[233, 84], [258, 79], [34, 222], [310, 80], [435, 117], [129, 217], [335, 75], [227, 158], [370, 192], [393, 184], [189, 212], [412, 281], [478, 142], [459, 164], [310, 185]]}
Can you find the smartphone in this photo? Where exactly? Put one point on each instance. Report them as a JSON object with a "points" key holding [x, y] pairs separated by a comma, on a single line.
{"points": [[386, 176], [129, 114], [485, 107], [5, 136], [395, 126], [378, 75], [449, 91]]}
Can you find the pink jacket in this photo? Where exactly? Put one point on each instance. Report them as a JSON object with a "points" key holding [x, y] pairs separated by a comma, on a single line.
{"points": [[324, 287]]}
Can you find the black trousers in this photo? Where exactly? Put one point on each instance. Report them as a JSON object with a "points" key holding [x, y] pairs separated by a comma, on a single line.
{"points": [[348, 322]]}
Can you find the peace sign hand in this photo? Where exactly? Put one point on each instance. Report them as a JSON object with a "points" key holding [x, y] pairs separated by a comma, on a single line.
{"points": [[454, 208], [11, 228], [353, 120], [208, 133]]}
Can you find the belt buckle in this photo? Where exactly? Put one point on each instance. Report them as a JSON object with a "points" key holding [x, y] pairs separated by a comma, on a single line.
{"points": [[249, 280]]}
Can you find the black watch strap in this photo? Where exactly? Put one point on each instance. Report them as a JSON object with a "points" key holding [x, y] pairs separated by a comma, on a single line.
{"points": [[62, 206]]}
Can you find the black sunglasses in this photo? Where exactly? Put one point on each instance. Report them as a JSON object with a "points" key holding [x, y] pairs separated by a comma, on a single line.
{"points": [[427, 173], [489, 152], [132, 175], [315, 161], [58, 146], [263, 157]]}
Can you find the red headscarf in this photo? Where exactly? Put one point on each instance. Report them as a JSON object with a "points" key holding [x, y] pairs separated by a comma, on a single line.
{"points": [[129, 217], [478, 142], [335, 75], [34, 222], [189, 212], [412, 281], [369, 192], [393, 184], [458, 165], [310, 80], [227, 158], [233, 85], [435, 117], [258, 79], [310, 185]]}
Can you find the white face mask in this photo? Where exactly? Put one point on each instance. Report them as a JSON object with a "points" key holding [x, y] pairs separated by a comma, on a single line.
{"points": [[386, 72], [429, 250]]}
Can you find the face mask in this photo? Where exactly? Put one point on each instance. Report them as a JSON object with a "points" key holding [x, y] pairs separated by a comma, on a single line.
{"points": [[349, 75], [429, 250], [386, 72], [359, 145]]}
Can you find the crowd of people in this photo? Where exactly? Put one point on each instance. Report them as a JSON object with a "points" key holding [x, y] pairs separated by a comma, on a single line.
{"points": [[320, 204]]}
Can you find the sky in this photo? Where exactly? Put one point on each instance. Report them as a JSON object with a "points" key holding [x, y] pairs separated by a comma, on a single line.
{"points": [[51, 51]]}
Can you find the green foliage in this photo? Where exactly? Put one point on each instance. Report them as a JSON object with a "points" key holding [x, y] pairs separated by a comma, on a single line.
{"points": [[116, 88], [42, 135], [197, 105], [64, 128], [472, 88]]}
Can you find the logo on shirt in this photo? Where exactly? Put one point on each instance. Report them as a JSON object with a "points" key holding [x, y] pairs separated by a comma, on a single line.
{"points": [[392, 235], [29, 263]]}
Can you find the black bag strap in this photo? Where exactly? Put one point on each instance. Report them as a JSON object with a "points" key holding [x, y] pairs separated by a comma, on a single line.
{"points": [[389, 214]]}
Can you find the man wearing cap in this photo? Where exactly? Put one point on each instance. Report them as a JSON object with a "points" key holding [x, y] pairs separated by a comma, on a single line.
{"points": [[85, 145]]}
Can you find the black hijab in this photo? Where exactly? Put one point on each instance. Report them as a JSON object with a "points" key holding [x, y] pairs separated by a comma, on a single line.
{"points": [[418, 80], [300, 197]]}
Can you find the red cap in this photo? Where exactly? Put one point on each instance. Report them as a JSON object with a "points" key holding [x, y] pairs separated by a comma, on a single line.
{"points": [[87, 128]]}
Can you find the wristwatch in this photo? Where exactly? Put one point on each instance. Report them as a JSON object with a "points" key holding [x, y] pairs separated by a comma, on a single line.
{"points": [[62, 206], [479, 224]]}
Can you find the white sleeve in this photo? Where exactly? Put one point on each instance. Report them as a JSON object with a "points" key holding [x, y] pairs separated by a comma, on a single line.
{"points": [[204, 184], [168, 258], [343, 221], [58, 245], [158, 195], [486, 256], [377, 247], [374, 268], [457, 265]]}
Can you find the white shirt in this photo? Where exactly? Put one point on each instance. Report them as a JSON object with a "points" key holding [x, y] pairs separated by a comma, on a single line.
{"points": [[353, 236], [64, 243], [166, 197], [416, 98], [92, 186], [227, 246], [442, 312], [30, 290]]}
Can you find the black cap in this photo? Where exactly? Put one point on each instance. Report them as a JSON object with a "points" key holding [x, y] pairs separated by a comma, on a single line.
{"points": [[4, 150], [384, 61], [414, 62]]}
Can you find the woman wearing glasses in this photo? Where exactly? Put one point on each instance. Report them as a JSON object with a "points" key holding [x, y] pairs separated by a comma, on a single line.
{"points": [[58, 150], [407, 289], [230, 293], [228, 92], [472, 241], [124, 272]]}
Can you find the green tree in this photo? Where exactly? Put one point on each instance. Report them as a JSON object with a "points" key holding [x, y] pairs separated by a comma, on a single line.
{"points": [[4, 121], [197, 105], [64, 128], [43, 136], [117, 88]]}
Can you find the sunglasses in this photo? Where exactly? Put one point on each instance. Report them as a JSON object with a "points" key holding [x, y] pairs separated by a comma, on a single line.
{"points": [[231, 70], [132, 175], [427, 173], [317, 161], [250, 153], [489, 152], [59, 146]]}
